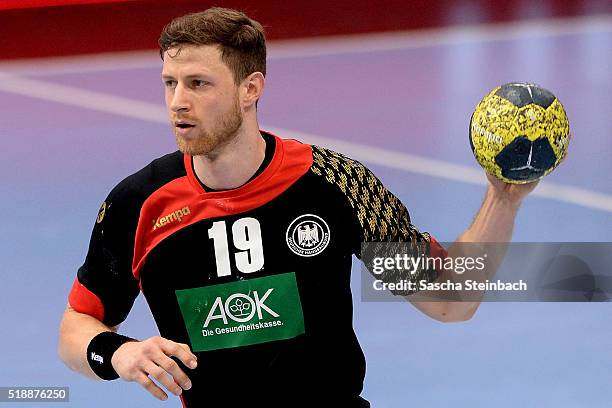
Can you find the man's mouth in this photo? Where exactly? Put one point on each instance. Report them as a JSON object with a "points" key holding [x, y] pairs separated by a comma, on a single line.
{"points": [[183, 127]]}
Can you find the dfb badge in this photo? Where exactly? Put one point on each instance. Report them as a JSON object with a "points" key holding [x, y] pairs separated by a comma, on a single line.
{"points": [[308, 235]]}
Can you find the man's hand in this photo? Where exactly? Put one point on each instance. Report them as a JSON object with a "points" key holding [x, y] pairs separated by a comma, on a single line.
{"points": [[514, 193], [137, 360]]}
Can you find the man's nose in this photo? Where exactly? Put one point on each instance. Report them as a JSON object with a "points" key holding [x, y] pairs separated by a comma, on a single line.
{"points": [[180, 99]]}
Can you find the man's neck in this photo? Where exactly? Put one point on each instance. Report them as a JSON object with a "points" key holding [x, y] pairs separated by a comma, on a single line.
{"points": [[233, 164]]}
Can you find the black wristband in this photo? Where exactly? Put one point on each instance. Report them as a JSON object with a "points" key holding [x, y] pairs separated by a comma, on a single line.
{"points": [[100, 352]]}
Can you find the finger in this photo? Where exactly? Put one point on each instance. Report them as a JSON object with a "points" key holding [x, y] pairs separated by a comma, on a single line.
{"points": [[180, 351], [187, 349], [162, 377], [150, 386], [174, 370]]}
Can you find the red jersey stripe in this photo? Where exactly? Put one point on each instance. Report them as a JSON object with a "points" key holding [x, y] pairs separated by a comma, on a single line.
{"points": [[85, 301], [183, 201]]}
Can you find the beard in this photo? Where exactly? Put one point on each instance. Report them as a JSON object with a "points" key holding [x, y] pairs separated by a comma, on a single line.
{"points": [[207, 141]]}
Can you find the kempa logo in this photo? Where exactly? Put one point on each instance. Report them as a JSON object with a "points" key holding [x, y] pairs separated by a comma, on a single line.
{"points": [[97, 357], [308, 235], [176, 216], [491, 137]]}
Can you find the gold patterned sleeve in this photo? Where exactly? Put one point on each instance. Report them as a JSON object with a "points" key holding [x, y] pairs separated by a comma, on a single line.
{"points": [[379, 215]]}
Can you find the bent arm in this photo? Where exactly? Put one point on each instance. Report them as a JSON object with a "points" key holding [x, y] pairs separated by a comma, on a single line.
{"points": [[76, 331], [133, 361], [493, 223]]}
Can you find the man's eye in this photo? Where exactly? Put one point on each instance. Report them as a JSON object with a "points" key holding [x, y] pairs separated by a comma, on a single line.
{"points": [[198, 83], [170, 83]]}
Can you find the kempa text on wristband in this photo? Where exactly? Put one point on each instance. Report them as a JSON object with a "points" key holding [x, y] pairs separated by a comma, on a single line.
{"points": [[100, 351]]}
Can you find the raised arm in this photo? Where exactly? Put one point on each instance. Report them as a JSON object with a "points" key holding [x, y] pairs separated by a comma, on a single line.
{"points": [[493, 223]]}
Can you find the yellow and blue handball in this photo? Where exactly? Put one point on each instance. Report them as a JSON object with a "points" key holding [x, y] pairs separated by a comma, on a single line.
{"points": [[519, 132]]}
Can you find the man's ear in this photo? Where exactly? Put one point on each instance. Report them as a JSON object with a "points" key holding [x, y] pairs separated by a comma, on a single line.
{"points": [[251, 89]]}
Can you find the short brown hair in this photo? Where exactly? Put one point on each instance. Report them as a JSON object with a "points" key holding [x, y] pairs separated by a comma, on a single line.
{"points": [[241, 40]]}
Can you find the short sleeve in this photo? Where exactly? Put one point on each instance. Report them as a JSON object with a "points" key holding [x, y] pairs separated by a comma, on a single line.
{"points": [[105, 287], [377, 214]]}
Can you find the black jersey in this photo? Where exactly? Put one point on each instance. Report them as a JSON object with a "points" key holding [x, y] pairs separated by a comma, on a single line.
{"points": [[255, 279]]}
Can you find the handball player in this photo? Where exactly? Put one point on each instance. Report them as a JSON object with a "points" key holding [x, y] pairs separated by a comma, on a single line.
{"points": [[241, 243]]}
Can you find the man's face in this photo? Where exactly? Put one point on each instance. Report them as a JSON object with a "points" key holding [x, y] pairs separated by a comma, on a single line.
{"points": [[201, 97]]}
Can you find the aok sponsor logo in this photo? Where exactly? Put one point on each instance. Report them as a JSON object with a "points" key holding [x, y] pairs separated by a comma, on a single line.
{"points": [[241, 308], [242, 313], [176, 216]]}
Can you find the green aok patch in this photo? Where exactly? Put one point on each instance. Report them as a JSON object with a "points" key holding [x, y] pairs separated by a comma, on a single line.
{"points": [[242, 313]]}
